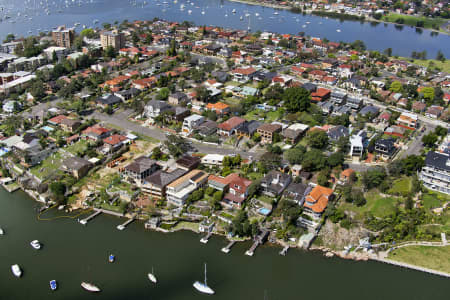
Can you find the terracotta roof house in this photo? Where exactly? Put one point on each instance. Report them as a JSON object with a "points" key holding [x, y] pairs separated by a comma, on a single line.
{"points": [[346, 175], [228, 127], [243, 74], [57, 120], [267, 131], [317, 200], [96, 133], [320, 94], [236, 186], [113, 142], [418, 106], [219, 108]]}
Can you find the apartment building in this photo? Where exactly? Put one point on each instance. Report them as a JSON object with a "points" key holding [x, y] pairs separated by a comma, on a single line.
{"points": [[179, 190], [63, 37], [112, 38], [435, 174]]}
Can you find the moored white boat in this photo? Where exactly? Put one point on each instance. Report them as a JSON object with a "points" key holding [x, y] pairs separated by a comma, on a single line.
{"points": [[90, 287], [203, 287], [2, 232], [111, 258], [16, 270], [35, 244], [152, 276]]}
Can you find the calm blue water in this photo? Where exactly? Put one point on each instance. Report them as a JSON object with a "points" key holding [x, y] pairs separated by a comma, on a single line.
{"points": [[379, 37]]}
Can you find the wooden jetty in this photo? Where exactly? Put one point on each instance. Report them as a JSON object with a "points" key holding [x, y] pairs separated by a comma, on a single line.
{"points": [[227, 249], [205, 239], [122, 226], [284, 251], [259, 240], [96, 213]]}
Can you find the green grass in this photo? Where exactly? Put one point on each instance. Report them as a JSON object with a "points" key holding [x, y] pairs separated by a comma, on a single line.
{"points": [[266, 199], [377, 205], [444, 66], [432, 200], [48, 166], [274, 115], [412, 20], [146, 138], [120, 208], [436, 258], [401, 186], [255, 175], [78, 147]]}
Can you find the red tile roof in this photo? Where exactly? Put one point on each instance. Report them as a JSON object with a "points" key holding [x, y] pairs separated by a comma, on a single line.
{"points": [[319, 198], [57, 119], [231, 123], [114, 139]]}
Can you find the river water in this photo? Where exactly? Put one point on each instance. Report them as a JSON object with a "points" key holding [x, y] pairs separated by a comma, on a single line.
{"points": [[72, 253], [379, 36]]}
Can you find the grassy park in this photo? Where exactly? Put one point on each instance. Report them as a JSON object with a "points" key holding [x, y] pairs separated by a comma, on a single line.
{"points": [[436, 258]]}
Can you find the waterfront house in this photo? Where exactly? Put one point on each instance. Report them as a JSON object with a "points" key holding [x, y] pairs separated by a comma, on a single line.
{"points": [[297, 192], [139, 169], [234, 186], [274, 183], [76, 166], [179, 190], [317, 201], [155, 184], [435, 174]]}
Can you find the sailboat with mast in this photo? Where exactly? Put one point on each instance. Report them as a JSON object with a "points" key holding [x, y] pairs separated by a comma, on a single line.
{"points": [[203, 287]]}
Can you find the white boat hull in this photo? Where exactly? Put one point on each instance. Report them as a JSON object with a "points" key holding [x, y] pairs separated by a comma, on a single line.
{"points": [[16, 270], [90, 287], [152, 278], [202, 288]]}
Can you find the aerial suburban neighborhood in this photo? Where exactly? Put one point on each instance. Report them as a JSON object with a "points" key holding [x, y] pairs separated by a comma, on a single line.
{"points": [[293, 139]]}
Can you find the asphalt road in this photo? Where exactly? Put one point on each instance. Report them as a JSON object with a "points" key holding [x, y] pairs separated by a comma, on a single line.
{"points": [[120, 119]]}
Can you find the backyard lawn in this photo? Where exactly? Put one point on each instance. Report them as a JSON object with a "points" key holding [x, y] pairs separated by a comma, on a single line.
{"points": [[443, 65], [49, 166], [436, 258], [401, 186], [376, 204], [432, 200], [78, 147]]}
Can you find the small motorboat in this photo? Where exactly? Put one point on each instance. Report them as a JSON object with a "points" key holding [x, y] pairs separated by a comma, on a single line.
{"points": [[35, 244], [338, 30], [53, 285], [152, 277], [90, 287], [2, 232], [16, 270], [111, 258]]}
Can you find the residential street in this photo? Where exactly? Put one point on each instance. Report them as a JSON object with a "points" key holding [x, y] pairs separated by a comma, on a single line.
{"points": [[120, 119]]}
